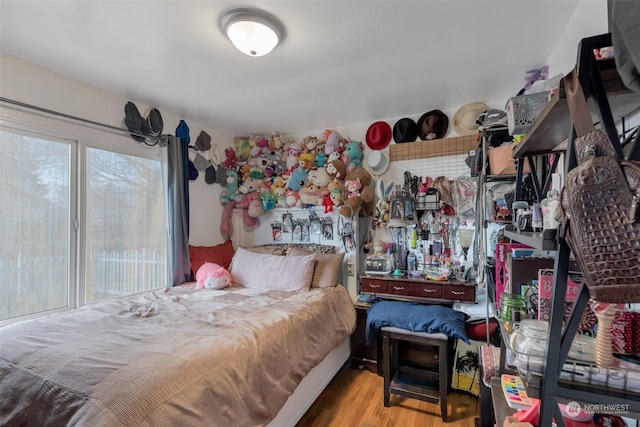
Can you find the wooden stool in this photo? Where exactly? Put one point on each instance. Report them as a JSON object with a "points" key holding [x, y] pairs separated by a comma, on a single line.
{"points": [[410, 381]]}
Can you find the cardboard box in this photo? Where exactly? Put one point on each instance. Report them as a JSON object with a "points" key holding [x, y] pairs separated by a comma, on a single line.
{"points": [[501, 161]]}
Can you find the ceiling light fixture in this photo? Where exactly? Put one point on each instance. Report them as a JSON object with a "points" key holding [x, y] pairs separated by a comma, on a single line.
{"points": [[254, 32]]}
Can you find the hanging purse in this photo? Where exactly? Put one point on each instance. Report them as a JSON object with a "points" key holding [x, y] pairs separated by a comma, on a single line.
{"points": [[600, 207]]}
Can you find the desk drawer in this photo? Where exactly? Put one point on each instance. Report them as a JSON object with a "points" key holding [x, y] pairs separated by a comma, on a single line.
{"points": [[459, 293], [426, 290], [399, 288], [375, 286]]}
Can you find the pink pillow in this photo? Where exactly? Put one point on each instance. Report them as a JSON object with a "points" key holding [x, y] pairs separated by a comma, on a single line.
{"points": [[264, 271]]}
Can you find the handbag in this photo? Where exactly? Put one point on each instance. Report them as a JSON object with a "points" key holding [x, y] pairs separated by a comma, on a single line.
{"points": [[600, 208]]}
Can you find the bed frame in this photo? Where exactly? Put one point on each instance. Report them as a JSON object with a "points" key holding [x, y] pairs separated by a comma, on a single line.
{"points": [[311, 386]]}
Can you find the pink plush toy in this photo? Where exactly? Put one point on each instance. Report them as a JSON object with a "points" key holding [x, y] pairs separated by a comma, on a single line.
{"points": [[212, 276]]}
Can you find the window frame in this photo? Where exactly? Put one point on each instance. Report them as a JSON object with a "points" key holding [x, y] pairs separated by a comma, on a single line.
{"points": [[80, 136]]}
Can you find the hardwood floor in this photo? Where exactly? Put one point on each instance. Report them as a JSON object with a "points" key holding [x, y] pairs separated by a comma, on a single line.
{"points": [[354, 398]]}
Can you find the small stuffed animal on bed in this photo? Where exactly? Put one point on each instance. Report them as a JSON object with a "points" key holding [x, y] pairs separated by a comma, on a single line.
{"points": [[212, 276]]}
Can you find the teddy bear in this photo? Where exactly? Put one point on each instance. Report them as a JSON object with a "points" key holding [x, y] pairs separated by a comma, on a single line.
{"points": [[268, 200], [230, 190], [292, 198], [352, 155], [364, 201], [276, 166], [262, 146], [311, 194], [336, 169], [244, 171], [250, 199], [276, 141], [306, 160], [212, 276], [253, 140], [298, 179], [327, 203], [319, 176], [231, 159], [242, 148], [332, 141], [353, 187], [336, 190], [252, 208], [278, 188], [309, 143], [293, 156]]}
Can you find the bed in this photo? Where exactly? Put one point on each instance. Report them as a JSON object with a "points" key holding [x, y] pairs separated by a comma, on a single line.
{"points": [[241, 356]]}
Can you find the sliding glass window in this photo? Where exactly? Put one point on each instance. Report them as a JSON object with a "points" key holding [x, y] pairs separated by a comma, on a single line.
{"points": [[83, 219]]}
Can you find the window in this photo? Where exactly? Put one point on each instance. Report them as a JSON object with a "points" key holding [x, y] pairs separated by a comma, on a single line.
{"points": [[83, 219]]}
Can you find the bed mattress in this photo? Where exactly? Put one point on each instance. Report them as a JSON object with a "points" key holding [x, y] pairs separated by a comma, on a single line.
{"points": [[177, 356]]}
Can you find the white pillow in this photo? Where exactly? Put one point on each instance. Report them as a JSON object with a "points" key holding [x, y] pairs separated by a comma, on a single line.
{"points": [[327, 267], [264, 271]]}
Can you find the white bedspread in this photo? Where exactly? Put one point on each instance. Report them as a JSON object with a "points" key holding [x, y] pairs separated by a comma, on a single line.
{"points": [[178, 356]]}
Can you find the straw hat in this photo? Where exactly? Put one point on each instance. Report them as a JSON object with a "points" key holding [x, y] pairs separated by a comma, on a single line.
{"points": [[464, 120]]}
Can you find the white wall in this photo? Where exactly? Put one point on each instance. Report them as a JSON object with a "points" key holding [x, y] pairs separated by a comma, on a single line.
{"points": [[27, 83], [589, 19]]}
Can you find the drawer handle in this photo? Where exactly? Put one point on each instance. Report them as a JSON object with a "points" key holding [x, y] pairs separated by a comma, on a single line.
{"points": [[374, 286], [398, 288], [430, 291], [458, 292]]}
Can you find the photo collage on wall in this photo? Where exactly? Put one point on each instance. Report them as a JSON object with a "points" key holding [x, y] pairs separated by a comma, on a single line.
{"points": [[303, 230]]}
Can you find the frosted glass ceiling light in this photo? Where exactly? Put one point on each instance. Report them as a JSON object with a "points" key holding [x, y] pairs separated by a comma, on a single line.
{"points": [[254, 32]]}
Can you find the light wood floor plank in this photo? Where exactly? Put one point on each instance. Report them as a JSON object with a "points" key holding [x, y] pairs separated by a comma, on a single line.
{"points": [[354, 398]]}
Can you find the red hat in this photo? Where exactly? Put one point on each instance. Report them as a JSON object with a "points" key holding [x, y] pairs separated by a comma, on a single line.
{"points": [[378, 136]]}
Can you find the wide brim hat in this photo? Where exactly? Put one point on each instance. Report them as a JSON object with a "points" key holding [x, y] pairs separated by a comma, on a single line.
{"points": [[464, 120], [378, 162], [378, 135], [432, 122], [405, 130]]}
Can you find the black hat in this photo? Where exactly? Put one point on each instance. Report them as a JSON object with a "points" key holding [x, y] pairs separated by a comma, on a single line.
{"points": [[433, 125], [405, 130]]}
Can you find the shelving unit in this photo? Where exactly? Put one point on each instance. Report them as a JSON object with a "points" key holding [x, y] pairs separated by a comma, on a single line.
{"points": [[553, 133]]}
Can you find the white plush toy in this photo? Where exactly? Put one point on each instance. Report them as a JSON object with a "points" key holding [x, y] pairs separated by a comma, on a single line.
{"points": [[212, 276]]}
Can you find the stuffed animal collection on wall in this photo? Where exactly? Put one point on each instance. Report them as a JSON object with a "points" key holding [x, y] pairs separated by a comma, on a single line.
{"points": [[266, 173]]}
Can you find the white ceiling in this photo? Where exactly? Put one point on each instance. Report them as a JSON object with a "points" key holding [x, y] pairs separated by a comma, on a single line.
{"points": [[341, 62]]}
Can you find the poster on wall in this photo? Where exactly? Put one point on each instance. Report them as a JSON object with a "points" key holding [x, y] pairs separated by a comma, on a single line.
{"points": [[327, 228], [276, 231]]}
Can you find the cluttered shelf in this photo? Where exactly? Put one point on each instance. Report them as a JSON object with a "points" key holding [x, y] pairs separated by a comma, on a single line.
{"points": [[580, 378], [549, 132], [545, 240]]}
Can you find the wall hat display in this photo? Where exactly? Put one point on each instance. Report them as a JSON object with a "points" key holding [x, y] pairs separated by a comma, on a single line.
{"points": [[433, 125], [464, 120], [378, 135], [405, 130]]}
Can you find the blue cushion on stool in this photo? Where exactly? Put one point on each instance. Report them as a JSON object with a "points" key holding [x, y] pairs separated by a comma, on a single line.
{"points": [[415, 317]]}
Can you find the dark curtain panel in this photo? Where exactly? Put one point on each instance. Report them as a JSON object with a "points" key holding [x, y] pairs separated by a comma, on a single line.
{"points": [[175, 180]]}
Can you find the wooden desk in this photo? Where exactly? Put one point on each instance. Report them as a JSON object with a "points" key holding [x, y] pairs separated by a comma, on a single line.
{"points": [[418, 289]]}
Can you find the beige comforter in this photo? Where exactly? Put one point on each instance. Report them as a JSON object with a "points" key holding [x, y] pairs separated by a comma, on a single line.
{"points": [[173, 357]]}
